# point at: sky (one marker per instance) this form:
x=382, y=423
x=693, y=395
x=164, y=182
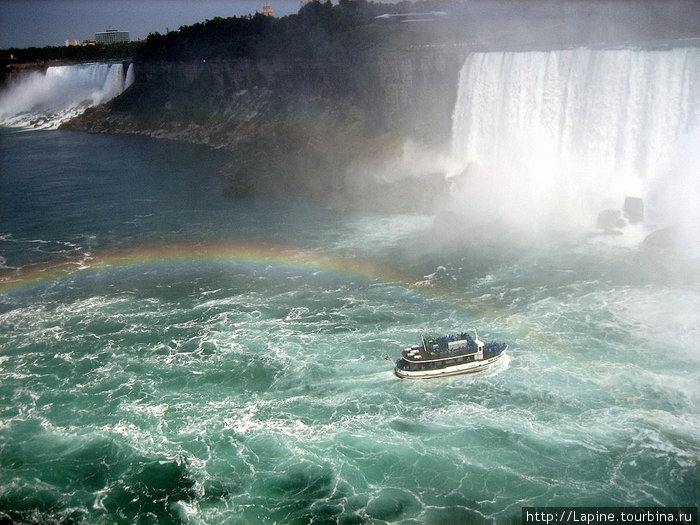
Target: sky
x=28, y=23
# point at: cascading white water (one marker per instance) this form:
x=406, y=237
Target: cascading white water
x=129, y=79
x=552, y=138
x=43, y=100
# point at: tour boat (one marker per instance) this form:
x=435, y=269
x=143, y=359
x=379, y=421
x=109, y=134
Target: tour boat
x=448, y=355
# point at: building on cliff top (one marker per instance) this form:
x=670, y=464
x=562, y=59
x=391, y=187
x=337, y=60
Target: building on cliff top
x=111, y=36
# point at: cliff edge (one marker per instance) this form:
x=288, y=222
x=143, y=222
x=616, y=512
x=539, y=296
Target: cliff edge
x=309, y=128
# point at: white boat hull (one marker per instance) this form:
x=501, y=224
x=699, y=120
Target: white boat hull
x=464, y=368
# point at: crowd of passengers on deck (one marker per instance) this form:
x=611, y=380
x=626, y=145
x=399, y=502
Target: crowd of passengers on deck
x=444, y=341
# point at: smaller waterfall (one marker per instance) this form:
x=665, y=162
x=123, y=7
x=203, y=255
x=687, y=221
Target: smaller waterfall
x=129, y=80
x=44, y=100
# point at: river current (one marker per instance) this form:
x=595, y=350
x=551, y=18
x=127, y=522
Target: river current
x=168, y=355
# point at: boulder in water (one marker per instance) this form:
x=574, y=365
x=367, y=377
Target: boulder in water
x=610, y=220
x=663, y=239
x=633, y=209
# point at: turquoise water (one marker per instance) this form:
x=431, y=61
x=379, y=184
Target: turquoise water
x=238, y=382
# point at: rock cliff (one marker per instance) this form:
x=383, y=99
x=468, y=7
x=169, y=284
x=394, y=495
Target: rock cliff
x=411, y=91
x=313, y=128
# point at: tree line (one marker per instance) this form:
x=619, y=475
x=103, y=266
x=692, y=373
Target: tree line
x=319, y=28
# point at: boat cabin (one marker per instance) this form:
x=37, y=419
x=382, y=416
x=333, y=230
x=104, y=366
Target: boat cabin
x=442, y=352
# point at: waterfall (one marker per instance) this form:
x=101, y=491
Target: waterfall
x=43, y=100
x=552, y=138
x=129, y=80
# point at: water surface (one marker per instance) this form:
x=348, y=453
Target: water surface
x=171, y=356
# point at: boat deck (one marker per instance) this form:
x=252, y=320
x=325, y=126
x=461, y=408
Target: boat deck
x=417, y=353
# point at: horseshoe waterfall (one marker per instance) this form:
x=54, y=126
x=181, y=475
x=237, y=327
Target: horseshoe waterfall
x=552, y=138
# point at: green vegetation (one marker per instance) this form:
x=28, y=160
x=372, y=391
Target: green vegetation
x=318, y=30
x=322, y=29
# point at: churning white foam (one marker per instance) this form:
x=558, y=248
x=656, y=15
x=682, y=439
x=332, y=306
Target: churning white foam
x=44, y=100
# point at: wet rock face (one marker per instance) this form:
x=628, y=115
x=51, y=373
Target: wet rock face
x=409, y=92
x=304, y=124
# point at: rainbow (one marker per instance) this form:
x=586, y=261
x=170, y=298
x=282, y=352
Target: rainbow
x=254, y=254
x=258, y=254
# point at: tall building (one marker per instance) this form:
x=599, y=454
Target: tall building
x=267, y=9
x=111, y=36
